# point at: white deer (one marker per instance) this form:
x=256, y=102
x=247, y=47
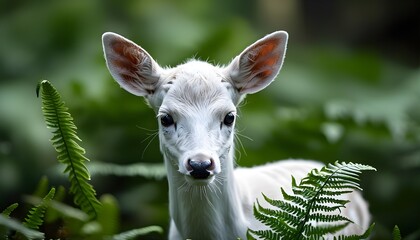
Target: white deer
x=196, y=106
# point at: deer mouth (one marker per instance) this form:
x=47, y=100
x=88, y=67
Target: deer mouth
x=200, y=174
x=199, y=181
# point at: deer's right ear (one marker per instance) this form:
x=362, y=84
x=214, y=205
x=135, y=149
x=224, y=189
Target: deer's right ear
x=130, y=65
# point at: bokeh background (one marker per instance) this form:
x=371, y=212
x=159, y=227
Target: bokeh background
x=349, y=90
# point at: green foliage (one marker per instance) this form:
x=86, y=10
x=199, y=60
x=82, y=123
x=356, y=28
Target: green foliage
x=137, y=232
x=108, y=217
x=105, y=212
x=60, y=210
x=396, y=234
x=33, y=221
x=152, y=170
x=311, y=211
x=42, y=188
x=69, y=152
x=6, y=212
x=35, y=217
x=19, y=227
x=53, y=213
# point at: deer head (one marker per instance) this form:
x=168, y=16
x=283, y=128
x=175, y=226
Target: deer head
x=195, y=102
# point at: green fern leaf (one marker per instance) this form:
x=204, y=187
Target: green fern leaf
x=60, y=209
x=265, y=234
x=69, y=152
x=319, y=217
x=10, y=223
x=131, y=234
x=365, y=235
x=35, y=217
x=294, y=209
x=6, y=212
x=42, y=188
x=311, y=211
x=274, y=219
x=321, y=230
x=396, y=234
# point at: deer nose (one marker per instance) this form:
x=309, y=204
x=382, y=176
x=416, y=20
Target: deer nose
x=200, y=166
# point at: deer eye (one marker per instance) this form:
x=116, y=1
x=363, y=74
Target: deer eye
x=166, y=120
x=229, y=119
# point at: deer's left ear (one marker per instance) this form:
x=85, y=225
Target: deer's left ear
x=257, y=66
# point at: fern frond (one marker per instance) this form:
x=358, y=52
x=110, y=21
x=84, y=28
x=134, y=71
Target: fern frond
x=365, y=235
x=265, y=234
x=69, y=152
x=53, y=213
x=131, y=234
x=42, y=188
x=35, y=217
x=18, y=227
x=321, y=217
x=316, y=232
x=108, y=218
x=396, y=234
x=273, y=218
x=311, y=211
x=61, y=209
x=6, y=212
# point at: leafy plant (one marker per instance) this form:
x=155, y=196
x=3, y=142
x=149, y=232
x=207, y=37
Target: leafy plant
x=10, y=223
x=36, y=214
x=396, y=234
x=65, y=140
x=33, y=221
x=311, y=211
x=131, y=234
x=6, y=212
x=69, y=152
x=149, y=170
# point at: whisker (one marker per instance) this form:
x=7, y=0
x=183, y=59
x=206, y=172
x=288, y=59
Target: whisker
x=191, y=189
x=151, y=137
x=146, y=129
x=202, y=190
x=244, y=136
x=182, y=187
x=208, y=199
x=238, y=151
x=238, y=136
x=216, y=188
x=218, y=183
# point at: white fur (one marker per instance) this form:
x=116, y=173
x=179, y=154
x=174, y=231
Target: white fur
x=198, y=96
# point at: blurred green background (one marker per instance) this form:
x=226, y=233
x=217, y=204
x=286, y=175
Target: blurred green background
x=349, y=90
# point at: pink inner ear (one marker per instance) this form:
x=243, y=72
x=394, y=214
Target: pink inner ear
x=126, y=59
x=126, y=51
x=264, y=74
x=265, y=48
x=265, y=58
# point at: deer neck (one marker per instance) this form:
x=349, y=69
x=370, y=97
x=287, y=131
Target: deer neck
x=210, y=211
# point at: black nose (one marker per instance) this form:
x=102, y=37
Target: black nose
x=200, y=168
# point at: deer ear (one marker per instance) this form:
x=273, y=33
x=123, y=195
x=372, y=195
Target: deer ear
x=257, y=66
x=130, y=65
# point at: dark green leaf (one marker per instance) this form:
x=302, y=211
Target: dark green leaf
x=69, y=152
